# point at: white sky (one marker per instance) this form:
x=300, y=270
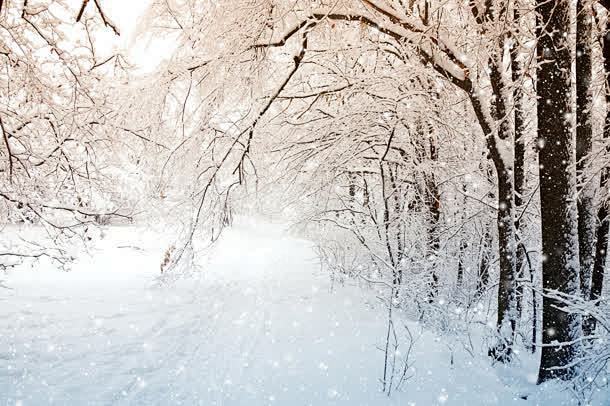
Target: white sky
x=144, y=51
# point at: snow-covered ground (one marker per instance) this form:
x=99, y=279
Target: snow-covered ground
x=259, y=325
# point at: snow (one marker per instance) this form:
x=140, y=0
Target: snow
x=259, y=325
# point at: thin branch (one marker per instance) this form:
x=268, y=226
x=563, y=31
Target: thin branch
x=105, y=19
x=8, y=150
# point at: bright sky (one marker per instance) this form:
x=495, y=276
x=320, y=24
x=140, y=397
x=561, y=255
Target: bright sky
x=143, y=51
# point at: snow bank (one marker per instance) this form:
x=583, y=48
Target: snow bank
x=258, y=326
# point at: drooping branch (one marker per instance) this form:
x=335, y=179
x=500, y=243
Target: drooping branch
x=412, y=25
x=105, y=19
x=439, y=53
x=74, y=210
x=298, y=58
x=107, y=22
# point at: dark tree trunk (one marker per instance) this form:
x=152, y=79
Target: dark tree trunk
x=460, y=270
x=584, y=143
x=399, y=235
x=462, y=249
x=517, y=76
x=597, y=279
x=507, y=246
x=557, y=158
x=486, y=242
x=433, y=203
x=498, y=145
x=499, y=132
x=601, y=248
x=484, y=262
x=534, y=314
x=506, y=321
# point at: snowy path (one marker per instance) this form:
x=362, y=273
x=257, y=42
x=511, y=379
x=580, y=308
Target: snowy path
x=259, y=326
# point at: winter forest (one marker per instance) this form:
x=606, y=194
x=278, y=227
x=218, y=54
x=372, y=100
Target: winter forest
x=304, y=202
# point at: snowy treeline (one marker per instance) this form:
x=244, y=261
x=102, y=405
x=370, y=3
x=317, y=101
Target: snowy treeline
x=443, y=152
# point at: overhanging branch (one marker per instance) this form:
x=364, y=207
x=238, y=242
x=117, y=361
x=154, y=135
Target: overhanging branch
x=431, y=49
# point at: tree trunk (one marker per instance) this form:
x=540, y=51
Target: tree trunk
x=463, y=247
x=557, y=161
x=460, y=270
x=500, y=147
x=486, y=242
x=506, y=321
x=483, y=273
x=433, y=203
x=517, y=76
x=601, y=247
x=584, y=143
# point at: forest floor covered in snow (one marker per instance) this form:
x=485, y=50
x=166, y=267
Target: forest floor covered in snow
x=258, y=325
